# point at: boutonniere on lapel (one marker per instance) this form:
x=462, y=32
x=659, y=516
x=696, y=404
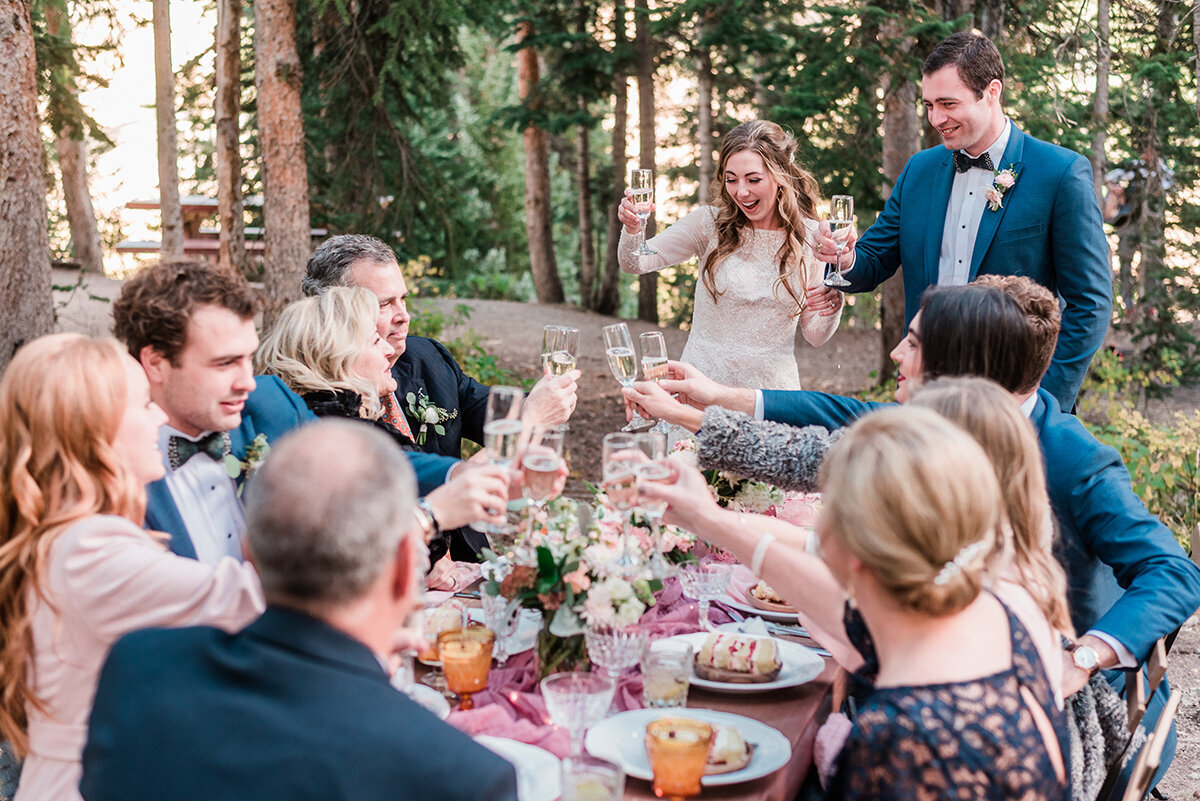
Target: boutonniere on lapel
x=1003, y=182
x=427, y=414
x=241, y=469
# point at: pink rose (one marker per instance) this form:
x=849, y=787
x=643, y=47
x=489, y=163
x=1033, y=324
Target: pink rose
x=578, y=579
x=1006, y=179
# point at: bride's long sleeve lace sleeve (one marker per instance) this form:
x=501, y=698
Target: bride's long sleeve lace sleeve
x=692, y=236
x=817, y=329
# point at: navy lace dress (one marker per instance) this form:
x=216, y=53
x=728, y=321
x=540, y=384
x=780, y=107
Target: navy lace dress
x=964, y=741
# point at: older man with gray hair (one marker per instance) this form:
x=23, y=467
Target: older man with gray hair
x=297, y=705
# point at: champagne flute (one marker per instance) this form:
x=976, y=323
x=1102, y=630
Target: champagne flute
x=841, y=217
x=654, y=363
x=502, y=434
x=622, y=360
x=653, y=444
x=619, y=458
x=641, y=184
x=563, y=353
x=549, y=339
x=540, y=464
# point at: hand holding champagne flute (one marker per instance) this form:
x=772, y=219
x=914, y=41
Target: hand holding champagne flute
x=540, y=465
x=502, y=432
x=620, y=457
x=841, y=217
x=559, y=349
x=622, y=360
x=641, y=187
x=654, y=363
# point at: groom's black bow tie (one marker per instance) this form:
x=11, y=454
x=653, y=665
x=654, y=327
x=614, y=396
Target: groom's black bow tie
x=180, y=449
x=963, y=162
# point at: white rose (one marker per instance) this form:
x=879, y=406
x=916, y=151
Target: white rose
x=431, y=415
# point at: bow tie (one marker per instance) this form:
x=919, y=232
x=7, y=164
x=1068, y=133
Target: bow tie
x=963, y=162
x=180, y=449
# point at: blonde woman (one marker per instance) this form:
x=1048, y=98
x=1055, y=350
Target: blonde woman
x=78, y=443
x=757, y=270
x=958, y=704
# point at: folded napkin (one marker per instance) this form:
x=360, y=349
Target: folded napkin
x=501, y=719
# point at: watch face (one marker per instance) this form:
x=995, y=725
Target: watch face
x=1085, y=657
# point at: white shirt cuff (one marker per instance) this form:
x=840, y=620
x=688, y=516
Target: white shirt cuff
x=1125, y=658
x=758, y=405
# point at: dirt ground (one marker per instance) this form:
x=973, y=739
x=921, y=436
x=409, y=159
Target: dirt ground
x=512, y=332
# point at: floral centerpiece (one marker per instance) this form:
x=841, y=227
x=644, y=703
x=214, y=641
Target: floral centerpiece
x=563, y=567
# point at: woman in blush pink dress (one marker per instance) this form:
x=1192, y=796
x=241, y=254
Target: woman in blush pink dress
x=78, y=443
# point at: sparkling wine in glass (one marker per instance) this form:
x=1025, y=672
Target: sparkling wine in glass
x=641, y=185
x=540, y=464
x=841, y=217
x=502, y=434
x=654, y=363
x=653, y=470
x=562, y=356
x=622, y=360
x=549, y=339
x=620, y=456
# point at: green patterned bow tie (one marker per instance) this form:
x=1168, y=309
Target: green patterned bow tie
x=180, y=449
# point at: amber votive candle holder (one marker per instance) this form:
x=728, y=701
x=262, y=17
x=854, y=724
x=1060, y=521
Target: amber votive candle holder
x=678, y=751
x=466, y=658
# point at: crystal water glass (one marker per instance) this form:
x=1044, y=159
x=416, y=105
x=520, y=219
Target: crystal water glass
x=503, y=617
x=576, y=701
x=589, y=778
x=705, y=582
x=615, y=648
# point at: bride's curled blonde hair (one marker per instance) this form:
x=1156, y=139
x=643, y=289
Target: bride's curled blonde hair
x=62, y=399
x=914, y=498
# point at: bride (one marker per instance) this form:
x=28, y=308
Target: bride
x=760, y=279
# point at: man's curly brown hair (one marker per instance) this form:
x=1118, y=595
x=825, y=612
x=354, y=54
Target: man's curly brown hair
x=158, y=301
x=1043, y=313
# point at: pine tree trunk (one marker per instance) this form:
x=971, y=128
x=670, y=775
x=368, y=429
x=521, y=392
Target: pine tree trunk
x=1196, y=53
x=1099, y=154
x=285, y=171
x=587, y=246
x=609, y=299
x=231, y=252
x=168, y=146
x=648, y=283
x=901, y=141
x=71, y=147
x=542, y=261
x=704, y=117
x=25, y=303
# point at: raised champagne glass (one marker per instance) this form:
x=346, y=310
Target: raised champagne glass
x=841, y=217
x=539, y=467
x=620, y=456
x=641, y=186
x=654, y=363
x=622, y=360
x=502, y=434
x=653, y=470
x=563, y=352
x=549, y=339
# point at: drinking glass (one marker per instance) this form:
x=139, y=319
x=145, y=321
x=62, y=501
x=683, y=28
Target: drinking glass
x=705, y=583
x=841, y=216
x=620, y=456
x=433, y=623
x=653, y=445
x=589, y=778
x=503, y=617
x=641, y=182
x=502, y=435
x=549, y=339
x=614, y=649
x=540, y=465
x=466, y=658
x=678, y=751
x=564, y=349
x=622, y=360
x=654, y=363
x=666, y=670
x=576, y=701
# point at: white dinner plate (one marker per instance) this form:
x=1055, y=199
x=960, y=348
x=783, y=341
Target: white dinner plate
x=429, y=698
x=745, y=607
x=800, y=666
x=621, y=739
x=538, y=770
x=529, y=625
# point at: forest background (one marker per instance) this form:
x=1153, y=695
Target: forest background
x=487, y=141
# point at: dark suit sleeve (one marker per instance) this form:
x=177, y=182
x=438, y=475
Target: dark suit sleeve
x=472, y=397
x=877, y=254
x=1083, y=274
x=1162, y=586
x=804, y=408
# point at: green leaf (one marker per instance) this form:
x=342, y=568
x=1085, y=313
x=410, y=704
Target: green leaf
x=411, y=398
x=233, y=465
x=441, y=430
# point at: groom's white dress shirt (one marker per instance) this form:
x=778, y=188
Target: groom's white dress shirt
x=964, y=212
x=207, y=501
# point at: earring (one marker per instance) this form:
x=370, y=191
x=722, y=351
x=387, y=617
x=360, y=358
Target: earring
x=850, y=602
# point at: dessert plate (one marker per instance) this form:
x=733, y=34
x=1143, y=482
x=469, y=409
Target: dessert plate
x=538, y=771
x=800, y=666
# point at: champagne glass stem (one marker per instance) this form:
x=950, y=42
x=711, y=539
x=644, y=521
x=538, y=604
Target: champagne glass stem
x=705, y=623
x=576, y=742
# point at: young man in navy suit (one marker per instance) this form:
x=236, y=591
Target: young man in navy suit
x=423, y=366
x=297, y=705
x=992, y=200
x=191, y=326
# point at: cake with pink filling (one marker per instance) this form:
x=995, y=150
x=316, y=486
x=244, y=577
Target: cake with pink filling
x=738, y=658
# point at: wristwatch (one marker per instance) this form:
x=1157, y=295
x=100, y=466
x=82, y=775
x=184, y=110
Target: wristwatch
x=426, y=520
x=1084, y=657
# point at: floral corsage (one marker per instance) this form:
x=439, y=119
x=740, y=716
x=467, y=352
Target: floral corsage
x=241, y=469
x=427, y=414
x=1003, y=182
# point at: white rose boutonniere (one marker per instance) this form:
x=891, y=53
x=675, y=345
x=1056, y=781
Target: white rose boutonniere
x=421, y=410
x=241, y=469
x=1004, y=181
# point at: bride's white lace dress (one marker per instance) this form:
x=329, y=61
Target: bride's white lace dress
x=747, y=337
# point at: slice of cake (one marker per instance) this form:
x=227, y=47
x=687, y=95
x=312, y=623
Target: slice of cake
x=738, y=658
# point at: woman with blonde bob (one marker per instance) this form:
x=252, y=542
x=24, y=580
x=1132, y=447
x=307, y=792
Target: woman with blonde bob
x=756, y=263
x=959, y=706
x=78, y=444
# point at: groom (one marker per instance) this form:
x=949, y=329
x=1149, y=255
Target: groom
x=993, y=200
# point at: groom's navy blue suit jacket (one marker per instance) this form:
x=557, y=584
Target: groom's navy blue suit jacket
x=1127, y=577
x=272, y=409
x=1049, y=230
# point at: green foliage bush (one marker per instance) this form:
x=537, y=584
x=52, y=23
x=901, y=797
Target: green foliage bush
x=467, y=348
